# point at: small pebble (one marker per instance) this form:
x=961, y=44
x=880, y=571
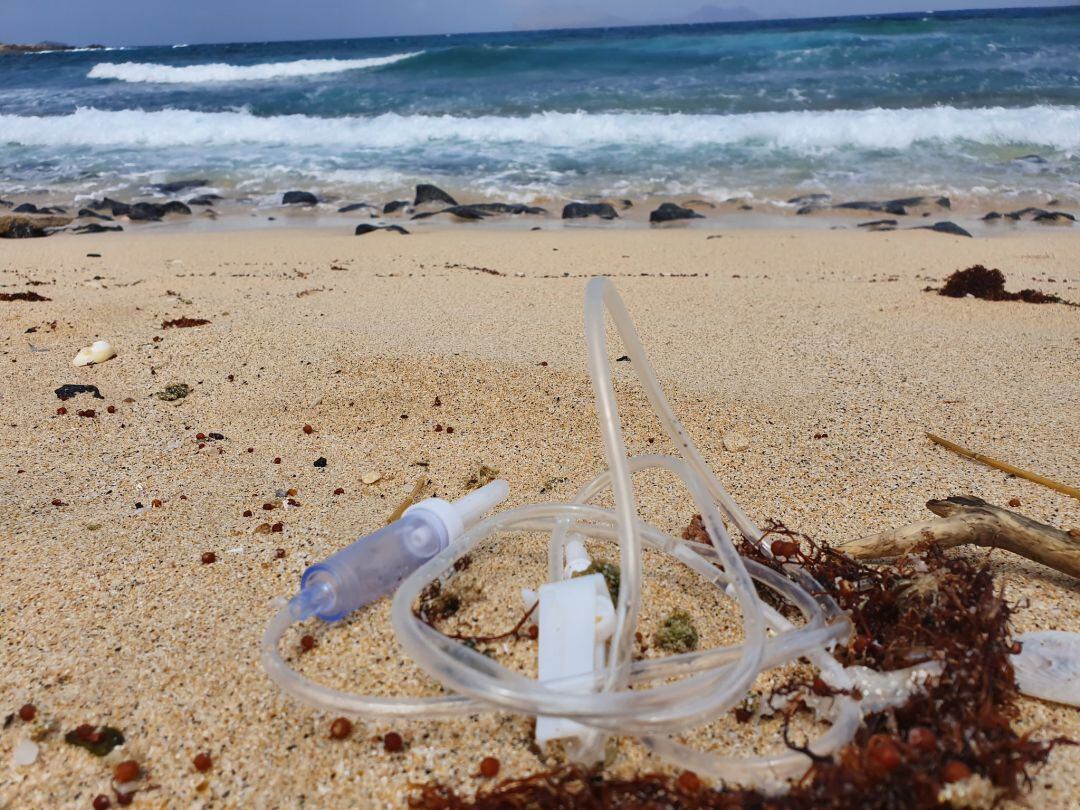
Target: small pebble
x=202, y=762
x=126, y=771
x=279, y=554
x=28, y=712
x=307, y=643
x=688, y=782
x=489, y=767
x=340, y=728
x=1014, y=502
x=392, y=742
x=320, y=462
x=735, y=442
x=370, y=478
x=25, y=753
x=98, y=352
x=955, y=771
x=308, y=429
x=339, y=491
x=101, y=802
x=209, y=557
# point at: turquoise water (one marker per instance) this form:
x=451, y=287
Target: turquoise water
x=941, y=103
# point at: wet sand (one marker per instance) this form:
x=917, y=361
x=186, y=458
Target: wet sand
x=107, y=614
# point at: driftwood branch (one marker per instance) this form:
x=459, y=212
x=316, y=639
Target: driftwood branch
x=973, y=521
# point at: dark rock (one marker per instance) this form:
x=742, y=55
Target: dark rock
x=1030, y=159
x=146, y=212
x=507, y=208
x=114, y=207
x=810, y=199
x=395, y=205
x=425, y=193
x=26, y=208
x=86, y=213
x=944, y=227
x=669, y=212
x=579, y=210
x=466, y=212
x=367, y=227
x=699, y=203
x=626, y=204
x=66, y=392
x=175, y=207
x=96, y=227
x=879, y=225
x=991, y=216
x=1053, y=217
x=204, y=199
x=179, y=185
x=353, y=207
x=807, y=209
x=6, y=203
x=895, y=207
x=299, y=198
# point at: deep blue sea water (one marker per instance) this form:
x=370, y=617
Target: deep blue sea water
x=873, y=106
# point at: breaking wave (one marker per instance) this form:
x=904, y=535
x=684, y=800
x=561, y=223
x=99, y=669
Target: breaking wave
x=223, y=72
x=801, y=132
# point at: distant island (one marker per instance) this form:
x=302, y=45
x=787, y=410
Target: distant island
x=44, y=46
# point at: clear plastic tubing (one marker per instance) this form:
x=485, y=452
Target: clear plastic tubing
x=670, y=695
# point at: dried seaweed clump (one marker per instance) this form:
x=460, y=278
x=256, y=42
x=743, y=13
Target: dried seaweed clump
x=989, y=284
x=611, y=575
x=950, y=745
x=677, y=634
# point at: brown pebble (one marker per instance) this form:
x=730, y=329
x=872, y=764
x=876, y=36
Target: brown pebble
x=209, y=557
x=268, y=506
x=438, y=428
x=339, y=491
x=58, y=502
x=955, y=771
x=248, y=513
x=449, y=429
x=279, y=554
x=125, y=798
x=341, y=728
x=27, y=712
x=126, y=771
x=277, y=527
x=60, y=412
x=688, y=782
x=307, y=643
x=101, y=802
x=489, y=767
x=1014, y=502
x=277, y=460
x=156, y=503
x=392, y=742
x=262, y=528
x=111, y=409
x=308, y=429
x=202, y=762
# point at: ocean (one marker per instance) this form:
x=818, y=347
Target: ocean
x=973, y=105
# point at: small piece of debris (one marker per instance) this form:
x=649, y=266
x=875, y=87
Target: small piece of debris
x=735, y=442
x=97, y=352
x=184, y=323
x=989, y=285
x=23, y=296
x=677, y=634
x=98, y=740
x=371, y=477
x=485, y=475
x=320, y=462
x=25, y=753
x=173, y=392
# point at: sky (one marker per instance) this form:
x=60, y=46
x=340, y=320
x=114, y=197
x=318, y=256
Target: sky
x=138, y=22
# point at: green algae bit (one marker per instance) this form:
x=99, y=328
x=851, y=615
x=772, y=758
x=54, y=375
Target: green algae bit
x=677, y=634
x=171, y=393
x=611, y=575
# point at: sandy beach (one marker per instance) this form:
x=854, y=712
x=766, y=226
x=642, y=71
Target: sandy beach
x=820, y=347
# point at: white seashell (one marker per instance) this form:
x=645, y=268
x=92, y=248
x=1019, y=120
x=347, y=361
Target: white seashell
x=371, y=477
x=735, y=442
x=1048, y=666
x=25, y=753
x=99, y=352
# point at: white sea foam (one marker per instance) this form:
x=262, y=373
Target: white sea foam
x=223, y=72
x=803, y=132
